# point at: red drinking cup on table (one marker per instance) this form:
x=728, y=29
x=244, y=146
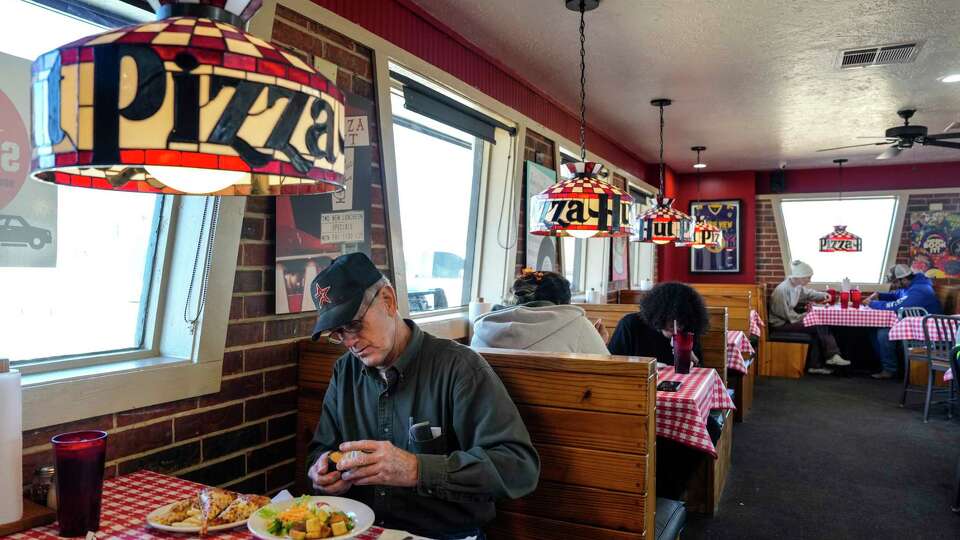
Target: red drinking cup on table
x=855, y=298
x=844, y=299
x=79, y=456
x=682, y=351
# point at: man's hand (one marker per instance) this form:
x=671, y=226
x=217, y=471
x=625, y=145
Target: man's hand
x=379, y=463
x=873, y=296
x=602, y=330
x=329, y=483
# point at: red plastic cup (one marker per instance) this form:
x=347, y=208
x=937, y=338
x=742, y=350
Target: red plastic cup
x=855, y=298
x=833, y=296
x=682, y=351
x=79, y=456
x=844, y=299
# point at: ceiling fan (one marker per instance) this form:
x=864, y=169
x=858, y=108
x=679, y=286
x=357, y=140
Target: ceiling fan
x=901, y=137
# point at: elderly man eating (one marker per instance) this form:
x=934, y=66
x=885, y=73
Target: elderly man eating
x=430, y=438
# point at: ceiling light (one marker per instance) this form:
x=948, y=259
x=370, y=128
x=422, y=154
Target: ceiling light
x=706, y=234
x=583, y=205
x=955, y=77
x=175, y=106
x=699, y=165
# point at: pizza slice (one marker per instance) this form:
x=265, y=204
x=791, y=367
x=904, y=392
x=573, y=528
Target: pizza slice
x=178, y=512
x=212, y=502
x=240, y=509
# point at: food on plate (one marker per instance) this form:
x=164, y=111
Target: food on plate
x=212, y=502
x=209, y=508
x=240, y=509
x=181, y=511
x=307, y=520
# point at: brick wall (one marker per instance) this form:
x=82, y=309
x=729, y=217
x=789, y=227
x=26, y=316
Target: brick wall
x=242, y=437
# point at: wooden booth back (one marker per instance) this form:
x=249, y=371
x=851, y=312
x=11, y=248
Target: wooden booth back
x=609, y=313
x=714, y=342
x=592, y=421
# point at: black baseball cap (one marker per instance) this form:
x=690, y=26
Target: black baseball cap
x=340, y=290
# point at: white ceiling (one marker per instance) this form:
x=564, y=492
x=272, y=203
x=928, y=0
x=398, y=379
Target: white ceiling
x=753, y=80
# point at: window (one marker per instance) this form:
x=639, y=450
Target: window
x=642, y=254
x=438, y=181
x=872, y=218
x=573, y=249
x=93, y=300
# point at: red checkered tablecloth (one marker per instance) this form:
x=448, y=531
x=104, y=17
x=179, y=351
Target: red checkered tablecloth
x=738, y=348
x=912, y=328
x=835, y=316
x=755, y=323
x=128, y=499
x=682, y=415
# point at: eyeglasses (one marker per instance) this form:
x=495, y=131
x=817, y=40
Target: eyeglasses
x=352, y=328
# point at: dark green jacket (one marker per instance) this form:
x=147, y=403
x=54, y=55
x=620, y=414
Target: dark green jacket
x=483, y=454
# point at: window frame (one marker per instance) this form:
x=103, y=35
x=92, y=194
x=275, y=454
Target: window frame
x=483, y=153
x=901, y=199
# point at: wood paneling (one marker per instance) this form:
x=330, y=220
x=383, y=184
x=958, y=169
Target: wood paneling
x=742, y=385
x=785, y=360
x=592, y=468
x=609, y=313
x=512, y=526
x=574, y=390
x=714, y=342
x=597, y=507
x=706, y=486
x=586, y=429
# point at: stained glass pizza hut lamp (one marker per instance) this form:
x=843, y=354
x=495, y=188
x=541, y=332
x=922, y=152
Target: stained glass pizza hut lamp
x=583, y=206
x=188, y=104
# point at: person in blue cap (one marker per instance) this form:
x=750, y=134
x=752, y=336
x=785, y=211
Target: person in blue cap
x=425, y=433
x=911, y=289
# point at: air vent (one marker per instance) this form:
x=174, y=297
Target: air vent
x=881, y=55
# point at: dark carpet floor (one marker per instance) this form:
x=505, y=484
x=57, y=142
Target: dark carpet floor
x=836, y=458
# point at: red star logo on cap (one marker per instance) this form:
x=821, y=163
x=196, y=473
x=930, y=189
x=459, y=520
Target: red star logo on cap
x=322, y=296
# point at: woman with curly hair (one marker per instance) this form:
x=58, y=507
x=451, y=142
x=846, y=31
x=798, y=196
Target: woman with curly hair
x=542, y=319
x=666, y=307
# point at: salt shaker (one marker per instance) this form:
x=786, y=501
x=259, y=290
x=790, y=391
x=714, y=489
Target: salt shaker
x=43, y=490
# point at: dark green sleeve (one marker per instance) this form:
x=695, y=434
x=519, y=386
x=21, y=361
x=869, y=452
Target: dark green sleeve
x=327, y=435
x=499, y=460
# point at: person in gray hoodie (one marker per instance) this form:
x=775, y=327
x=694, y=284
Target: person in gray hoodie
x=541, y=320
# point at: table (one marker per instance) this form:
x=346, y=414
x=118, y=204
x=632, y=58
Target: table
x=755, y=323
x=738, y=347
x=682, y=415
x=835, y=316
x=911, y=328
x=128, y=499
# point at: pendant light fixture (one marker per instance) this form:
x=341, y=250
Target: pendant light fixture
x=583, y=205
x=662, y=223
x=187, y=104
x=840, y=240
x=705, y=233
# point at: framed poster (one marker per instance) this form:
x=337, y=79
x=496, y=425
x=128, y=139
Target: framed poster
x=542, y=252
x=935, y=243
x=619, y=259
x=726, y=216
x=313, y=230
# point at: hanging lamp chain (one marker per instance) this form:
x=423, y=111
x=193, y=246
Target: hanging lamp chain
x=661, y=151
x=583, y=82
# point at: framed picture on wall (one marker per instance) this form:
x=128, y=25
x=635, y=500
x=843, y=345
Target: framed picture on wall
x=542, y=252
x=726, y=216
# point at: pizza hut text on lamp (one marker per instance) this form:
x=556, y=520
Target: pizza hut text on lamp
x=583, y=205
x=188, y=104
x=663, y=223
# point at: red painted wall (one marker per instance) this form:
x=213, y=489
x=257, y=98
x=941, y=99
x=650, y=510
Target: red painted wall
x=408, y=26
x=909, y=176
x=673, y=263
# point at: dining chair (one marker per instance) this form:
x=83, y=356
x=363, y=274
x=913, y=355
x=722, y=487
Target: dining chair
x=913, y=349
x=940, y=334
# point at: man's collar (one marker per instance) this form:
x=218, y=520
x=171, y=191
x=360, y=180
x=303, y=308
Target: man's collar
x=405, y=361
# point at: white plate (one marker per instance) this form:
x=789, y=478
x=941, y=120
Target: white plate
x=362, y=516
x=189, y=529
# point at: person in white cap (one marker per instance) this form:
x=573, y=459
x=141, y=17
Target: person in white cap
x=911, y=289
x=785, y=317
